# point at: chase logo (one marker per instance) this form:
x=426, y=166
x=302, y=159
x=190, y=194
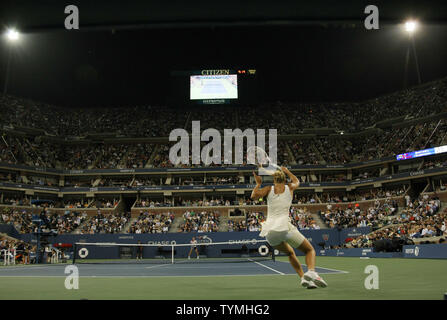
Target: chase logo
x=416, y=251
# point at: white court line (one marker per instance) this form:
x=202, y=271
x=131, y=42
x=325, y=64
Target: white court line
x=20, y=268
x=339, y=271
x=267, y=267
x=167, y=276
x=157, y=266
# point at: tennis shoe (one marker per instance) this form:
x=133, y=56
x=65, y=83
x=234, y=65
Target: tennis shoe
x=313, y=276
x=308, y=284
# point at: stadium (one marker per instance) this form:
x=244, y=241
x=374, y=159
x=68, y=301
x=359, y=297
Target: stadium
x=88, y=177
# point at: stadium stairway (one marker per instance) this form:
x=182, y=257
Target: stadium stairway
x=317, y=153
x=175, y=225
x=223, y=223
x=290, y=157
x=96, y=182
x=151, y=158
x=318, y=221
x=78, y=229
x=129, y=223
x=342, y=150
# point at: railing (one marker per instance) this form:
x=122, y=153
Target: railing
x=56, y=256
x=9, y=256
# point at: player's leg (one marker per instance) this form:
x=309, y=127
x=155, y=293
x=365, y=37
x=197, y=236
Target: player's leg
x=189, y=254
x=309, y=253
x=297, y=240
x=276, y=240
x=288, y=250
x=311, y=274
x=197, y=252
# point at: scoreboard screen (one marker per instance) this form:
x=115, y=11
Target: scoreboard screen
x=213, y=87
x=421, y=153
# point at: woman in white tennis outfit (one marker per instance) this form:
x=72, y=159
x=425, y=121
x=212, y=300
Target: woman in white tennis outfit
x=280, y=232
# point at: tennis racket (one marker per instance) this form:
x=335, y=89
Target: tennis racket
x=257, y=156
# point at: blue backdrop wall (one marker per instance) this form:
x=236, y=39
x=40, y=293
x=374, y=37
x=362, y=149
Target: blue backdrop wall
x=328, y=236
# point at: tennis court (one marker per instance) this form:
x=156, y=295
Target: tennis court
x=135, y=269
x=226, y=280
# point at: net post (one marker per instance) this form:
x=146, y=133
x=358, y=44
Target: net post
x=74, y=253
x=6, y=257
x=172, y=253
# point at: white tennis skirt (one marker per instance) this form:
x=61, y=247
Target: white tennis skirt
x=288, y=233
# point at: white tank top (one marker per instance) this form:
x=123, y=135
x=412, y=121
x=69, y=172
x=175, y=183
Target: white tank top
x=278, y=206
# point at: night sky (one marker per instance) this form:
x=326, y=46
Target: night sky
x=294, y=63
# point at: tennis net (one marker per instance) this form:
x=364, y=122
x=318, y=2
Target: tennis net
x=236, y=251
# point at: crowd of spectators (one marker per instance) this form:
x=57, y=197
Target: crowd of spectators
x=15, y=201
x=362, y=195
x=106, y=223
x=59, y=222
x=146, y=181
x=251, y=222
x=185, y=202
x=420, y=220
x=299, y=217
x=200, y=221
x=62, y=223
x=151, y=203
x=290, y=118
x=152, y=223
x=20, y=219
x=312, y=151
x=353, y=216
x=20, y=251
x=104, y=203
x=75, y=203
x=302, y=219
x=115, y=182
x=435, y=163
x=299, y=198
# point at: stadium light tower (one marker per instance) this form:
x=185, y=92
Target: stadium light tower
x=12, y=37
x=411, y=27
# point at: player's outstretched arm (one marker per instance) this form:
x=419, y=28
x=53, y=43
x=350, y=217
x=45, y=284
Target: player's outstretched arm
x=295, y=182
x=259, y=192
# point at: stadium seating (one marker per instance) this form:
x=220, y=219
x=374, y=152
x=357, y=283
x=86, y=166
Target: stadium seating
x=329, y=134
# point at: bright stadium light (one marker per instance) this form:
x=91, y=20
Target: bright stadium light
x=411, y=26
x=12, y=35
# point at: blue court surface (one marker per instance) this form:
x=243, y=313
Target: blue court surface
x=135, y=269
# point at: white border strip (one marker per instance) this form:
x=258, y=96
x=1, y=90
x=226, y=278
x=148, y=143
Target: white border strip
x=335, y=270
x=281, y=273
x=234, y=242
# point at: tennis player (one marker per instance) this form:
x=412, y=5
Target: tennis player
x=279, y=231
x=193, y=247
